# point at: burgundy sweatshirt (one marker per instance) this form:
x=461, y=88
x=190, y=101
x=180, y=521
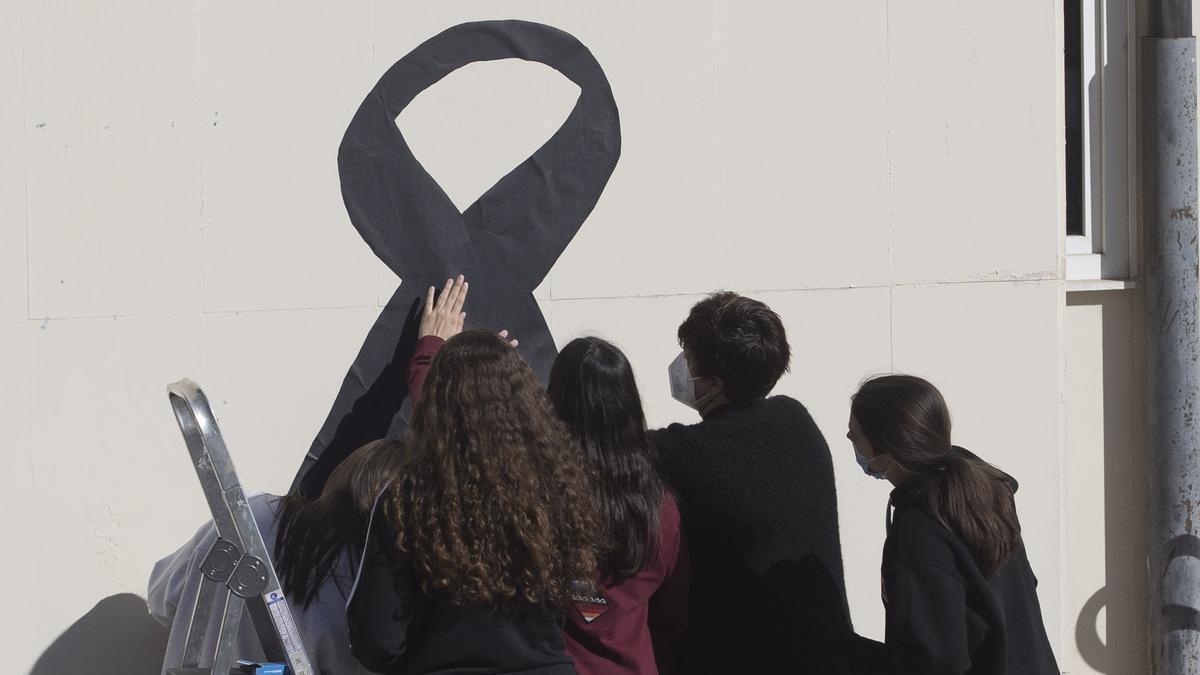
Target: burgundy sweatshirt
x=631, y=627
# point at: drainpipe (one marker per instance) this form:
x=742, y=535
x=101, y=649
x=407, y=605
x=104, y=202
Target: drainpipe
x=1172, y=314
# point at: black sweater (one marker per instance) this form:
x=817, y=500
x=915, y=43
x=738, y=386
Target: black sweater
x=756, y=490
x=944, y=616
x=397, y=628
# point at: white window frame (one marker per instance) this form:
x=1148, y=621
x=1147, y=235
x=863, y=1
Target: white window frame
x=1106, y=249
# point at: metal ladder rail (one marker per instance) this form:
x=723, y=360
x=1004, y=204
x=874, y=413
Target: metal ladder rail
x=238, y=565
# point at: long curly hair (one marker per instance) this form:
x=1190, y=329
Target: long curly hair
x=494, y=502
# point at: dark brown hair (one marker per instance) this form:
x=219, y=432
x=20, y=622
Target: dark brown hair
x=594, y=391
x=494, y=502
x=906, y=418
x=313, y=533
x=738, y=339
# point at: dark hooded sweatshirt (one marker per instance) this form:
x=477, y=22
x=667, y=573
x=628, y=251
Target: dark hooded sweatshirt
x=943, y=615
x=396, y=627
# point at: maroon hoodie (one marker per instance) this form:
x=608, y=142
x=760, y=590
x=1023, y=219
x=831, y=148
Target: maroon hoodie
x=631, y=627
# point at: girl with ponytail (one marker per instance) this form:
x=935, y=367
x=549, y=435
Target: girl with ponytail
x=958, y=590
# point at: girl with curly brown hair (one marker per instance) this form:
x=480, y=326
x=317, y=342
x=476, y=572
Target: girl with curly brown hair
x=476, y=546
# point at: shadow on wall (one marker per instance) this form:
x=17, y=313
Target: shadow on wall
x=1110, y=631
x=117, y=637
x=1087, y=636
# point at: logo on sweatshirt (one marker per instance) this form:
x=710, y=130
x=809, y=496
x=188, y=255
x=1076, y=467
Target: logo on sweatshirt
x=590, y=607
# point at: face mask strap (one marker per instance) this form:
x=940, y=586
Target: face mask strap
x=702, y=401
x=865, y=465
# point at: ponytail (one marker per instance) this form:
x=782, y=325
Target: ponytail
x=975, y=500
x=906, y=418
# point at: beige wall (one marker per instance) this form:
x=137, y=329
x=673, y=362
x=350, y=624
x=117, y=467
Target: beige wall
x=1104, y=485
x=882, y=173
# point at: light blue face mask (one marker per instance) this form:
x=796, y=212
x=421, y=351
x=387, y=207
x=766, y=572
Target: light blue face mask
x=865, y=465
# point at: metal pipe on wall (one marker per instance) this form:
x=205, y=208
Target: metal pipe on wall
x=1170, y=19
x=1172, y=311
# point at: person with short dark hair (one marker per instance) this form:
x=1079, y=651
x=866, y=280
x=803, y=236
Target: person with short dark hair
x=959, y=592
x=756, y=486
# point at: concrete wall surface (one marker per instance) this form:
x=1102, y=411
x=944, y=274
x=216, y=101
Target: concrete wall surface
x=883, y=174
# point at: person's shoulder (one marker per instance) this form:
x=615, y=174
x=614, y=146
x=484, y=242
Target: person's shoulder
x=670, y=437
x=264, y=505
x=788, y=415
x=667, y=445
x=917, y=538
x=913, y=521
x=256, y=498
x=668, y=510
x=675, y=429
x=782, y=403
x=266, y=509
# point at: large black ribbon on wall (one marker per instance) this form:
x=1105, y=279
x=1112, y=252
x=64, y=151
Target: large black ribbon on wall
x=505, y=243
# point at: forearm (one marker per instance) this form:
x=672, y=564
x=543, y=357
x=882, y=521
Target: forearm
x=418, y=365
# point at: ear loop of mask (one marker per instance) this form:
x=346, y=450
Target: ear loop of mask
x=865, y=465
x=702, y=401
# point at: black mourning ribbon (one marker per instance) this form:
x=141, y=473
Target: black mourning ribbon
x=505, y=243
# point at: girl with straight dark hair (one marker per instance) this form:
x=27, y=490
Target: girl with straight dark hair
x=316, y=536
x=959, y=592
x=630, y=624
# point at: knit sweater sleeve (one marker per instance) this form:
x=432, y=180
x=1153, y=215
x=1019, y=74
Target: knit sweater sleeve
x=667, y=450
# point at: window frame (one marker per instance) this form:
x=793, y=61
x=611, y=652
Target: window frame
x=1106, y=249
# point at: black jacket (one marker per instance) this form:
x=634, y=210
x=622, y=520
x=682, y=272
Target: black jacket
x=397, y=628
x=759, y=506
x=943, y=615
